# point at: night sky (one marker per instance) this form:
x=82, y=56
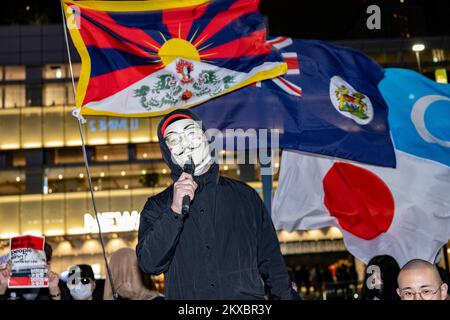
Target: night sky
x=344, y=19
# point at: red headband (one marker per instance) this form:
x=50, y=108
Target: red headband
x=171, y=119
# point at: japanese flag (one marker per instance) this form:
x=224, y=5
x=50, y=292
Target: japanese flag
x=402, y=212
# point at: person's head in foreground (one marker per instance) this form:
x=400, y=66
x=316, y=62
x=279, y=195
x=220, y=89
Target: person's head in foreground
x=81, y=282
x=130, y=282
x=420, y=280
x=380, y=281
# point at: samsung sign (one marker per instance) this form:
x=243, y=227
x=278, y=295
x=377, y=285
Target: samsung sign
x=114, y=221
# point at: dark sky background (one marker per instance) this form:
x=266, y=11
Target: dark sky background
x=346, y=19
x=316, y=19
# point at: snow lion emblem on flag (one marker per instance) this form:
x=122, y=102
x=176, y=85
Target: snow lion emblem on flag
x=168, y=90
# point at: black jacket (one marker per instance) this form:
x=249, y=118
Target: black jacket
x=226, y=248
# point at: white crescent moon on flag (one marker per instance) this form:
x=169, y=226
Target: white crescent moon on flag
x=418, y=118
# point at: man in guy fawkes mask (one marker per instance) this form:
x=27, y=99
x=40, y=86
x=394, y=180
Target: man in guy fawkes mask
x=226, y=246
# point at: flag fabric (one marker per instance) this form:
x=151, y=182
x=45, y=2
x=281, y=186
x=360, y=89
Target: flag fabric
x=402, y=212
x=327, y=103
x=146, y=58
x=427, y=106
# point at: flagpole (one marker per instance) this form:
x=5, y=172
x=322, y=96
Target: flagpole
x=267, y=181
x=86, y=161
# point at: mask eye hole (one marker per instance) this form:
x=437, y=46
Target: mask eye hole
x=173, y=140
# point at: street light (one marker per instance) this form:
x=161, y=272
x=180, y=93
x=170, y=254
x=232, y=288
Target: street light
x=418, y=48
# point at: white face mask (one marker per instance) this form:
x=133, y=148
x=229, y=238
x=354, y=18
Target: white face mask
x=185, y=138
x=81, y=291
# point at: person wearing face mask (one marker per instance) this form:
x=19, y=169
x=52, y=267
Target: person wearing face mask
x=81, y=282
x=130, y=282
x=380, y=282
x=226, y=246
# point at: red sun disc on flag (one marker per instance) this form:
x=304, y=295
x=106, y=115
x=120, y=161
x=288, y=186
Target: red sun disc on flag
x=360, y=200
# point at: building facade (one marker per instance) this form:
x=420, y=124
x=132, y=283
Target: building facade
x=43, y=185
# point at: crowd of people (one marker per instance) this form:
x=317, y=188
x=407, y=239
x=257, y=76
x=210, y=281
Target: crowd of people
x=81, y=284
x=338, y=272
x=337, y=280
x=213, y=238
x=384, y=280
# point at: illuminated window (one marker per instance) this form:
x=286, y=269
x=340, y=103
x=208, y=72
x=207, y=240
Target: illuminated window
x=9, y=215
x=14, y=96
x=70, y=94
x=76, y=68
x=12, y=182
x=18, y=159
x=140, y=130
x=68, y=155
x=61, y=71
x=10, y=123
x=15, y=73
x=111, y=153
x=31, y=214
x=55, y=94
x=54, y=71
x=53, y=127
x=438, y=55
x=53, y=214
x=147, y=151
x=31, y=128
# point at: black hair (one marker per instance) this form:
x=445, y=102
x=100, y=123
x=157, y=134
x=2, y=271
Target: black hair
x=444, y=277
x=48, y=252
x=389, y=270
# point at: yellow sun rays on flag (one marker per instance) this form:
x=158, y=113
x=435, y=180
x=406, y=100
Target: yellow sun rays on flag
x=179, y=48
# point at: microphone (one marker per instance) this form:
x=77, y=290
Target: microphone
x=189, y=167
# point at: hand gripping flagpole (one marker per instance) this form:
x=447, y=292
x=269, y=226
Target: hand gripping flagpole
x=76, y=113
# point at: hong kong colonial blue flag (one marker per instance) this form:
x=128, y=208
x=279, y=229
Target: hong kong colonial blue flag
x=327, y=103
x=146, y=58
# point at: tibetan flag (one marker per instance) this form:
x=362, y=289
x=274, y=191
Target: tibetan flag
x=146, y=58
x=327, y=103
x=402, y=212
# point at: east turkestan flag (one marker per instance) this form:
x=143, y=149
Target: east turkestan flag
x=402, y=212
x=146, y=58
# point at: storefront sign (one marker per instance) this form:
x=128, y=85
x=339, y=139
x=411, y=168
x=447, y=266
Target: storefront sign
x=115, y=221
x=113, y=125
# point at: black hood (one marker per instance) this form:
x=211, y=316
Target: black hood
x=176, y=170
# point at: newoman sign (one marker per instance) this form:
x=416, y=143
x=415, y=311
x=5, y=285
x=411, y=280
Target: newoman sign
x=114, y=221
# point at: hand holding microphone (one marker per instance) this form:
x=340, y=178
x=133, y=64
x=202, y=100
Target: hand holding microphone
x=184, y=190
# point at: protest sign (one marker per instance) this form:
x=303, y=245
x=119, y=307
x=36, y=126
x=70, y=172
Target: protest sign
x=29, y=266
